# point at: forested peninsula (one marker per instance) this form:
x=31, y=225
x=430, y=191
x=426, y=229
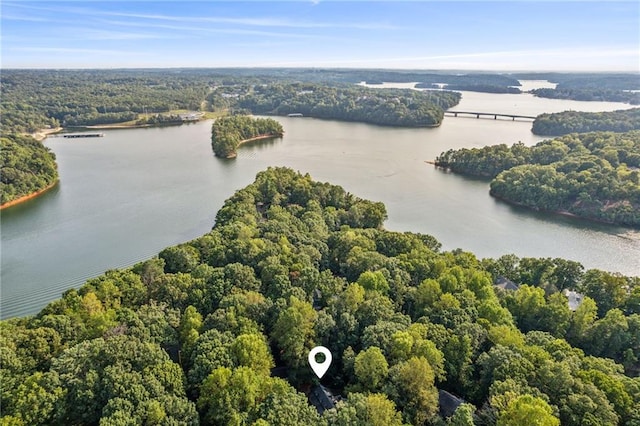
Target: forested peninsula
x=217, y=330
x=562, y=123
x=594, y=175
x=28, y=168
x=228, y=133
x=388, y=107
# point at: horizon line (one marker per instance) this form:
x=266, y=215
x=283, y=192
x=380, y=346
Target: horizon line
x=302, y=67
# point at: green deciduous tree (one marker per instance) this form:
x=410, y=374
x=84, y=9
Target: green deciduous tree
x=528, y=410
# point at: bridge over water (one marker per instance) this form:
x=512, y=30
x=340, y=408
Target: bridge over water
x=488, y=115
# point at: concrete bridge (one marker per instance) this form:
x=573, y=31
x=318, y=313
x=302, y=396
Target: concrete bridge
x=488, y=115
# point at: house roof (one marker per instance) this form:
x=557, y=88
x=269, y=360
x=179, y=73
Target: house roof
x=505, y=284
x=448, y=403
x=322, y=398
x=573, y=298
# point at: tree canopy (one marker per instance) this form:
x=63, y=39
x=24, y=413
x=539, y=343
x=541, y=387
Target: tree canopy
x=562, y=123
x=217, y=330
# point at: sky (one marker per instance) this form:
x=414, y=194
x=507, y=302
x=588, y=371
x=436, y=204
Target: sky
x=434, y=35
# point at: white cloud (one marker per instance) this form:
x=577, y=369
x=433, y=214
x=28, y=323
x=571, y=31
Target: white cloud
x=77, y=51
x=244, y=21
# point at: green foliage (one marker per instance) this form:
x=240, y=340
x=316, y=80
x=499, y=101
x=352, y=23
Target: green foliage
x=227, y=133
x=195, y=335
x=365, y=410
x=371, y=368
x=463, y=416
x=27, y=167
x=242, y=396
x=591, y=175
x=527, y=410
x=562, y=123
x=412, y=388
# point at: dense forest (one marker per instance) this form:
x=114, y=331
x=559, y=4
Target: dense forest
x=227, y=133
x=27, y=167
x=217, y=330
x=562, y=123
x=389, y=107
x=592, y=175
x=37, y=99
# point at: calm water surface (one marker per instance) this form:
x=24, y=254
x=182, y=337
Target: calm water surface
x=125, y=197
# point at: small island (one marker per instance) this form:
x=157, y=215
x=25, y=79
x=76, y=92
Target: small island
x=228, y=133
x=594, y=176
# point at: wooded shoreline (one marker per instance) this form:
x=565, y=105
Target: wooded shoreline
x=564, y=213
x=28, y=197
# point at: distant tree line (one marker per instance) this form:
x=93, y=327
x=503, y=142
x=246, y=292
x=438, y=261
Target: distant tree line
x=562, y=123
x=227, y=133
x=602, y=95
x=486, y=88
x=602, y=81
x=592, y=175
x=36, y=99
x=27, y=167
x=192, y=336
x=159, y=119
x=609, y=87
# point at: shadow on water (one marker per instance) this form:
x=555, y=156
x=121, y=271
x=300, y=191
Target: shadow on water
x=260, y=144
x=547, y=216
x=31, y=206
x=567, y=220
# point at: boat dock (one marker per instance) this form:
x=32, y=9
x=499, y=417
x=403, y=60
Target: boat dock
x=83, y=135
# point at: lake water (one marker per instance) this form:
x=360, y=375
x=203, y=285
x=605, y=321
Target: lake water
x=126, y=196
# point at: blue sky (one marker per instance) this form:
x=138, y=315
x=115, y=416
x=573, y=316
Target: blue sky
x=504, y=35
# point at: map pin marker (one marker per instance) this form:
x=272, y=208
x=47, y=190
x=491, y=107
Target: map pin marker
x=319, y=367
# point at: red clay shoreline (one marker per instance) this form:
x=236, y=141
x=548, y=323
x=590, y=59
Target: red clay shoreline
x=27, y=197
x=564, y=213
x=234, y=154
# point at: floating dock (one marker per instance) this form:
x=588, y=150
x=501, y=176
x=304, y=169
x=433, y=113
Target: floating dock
x=83, y=135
